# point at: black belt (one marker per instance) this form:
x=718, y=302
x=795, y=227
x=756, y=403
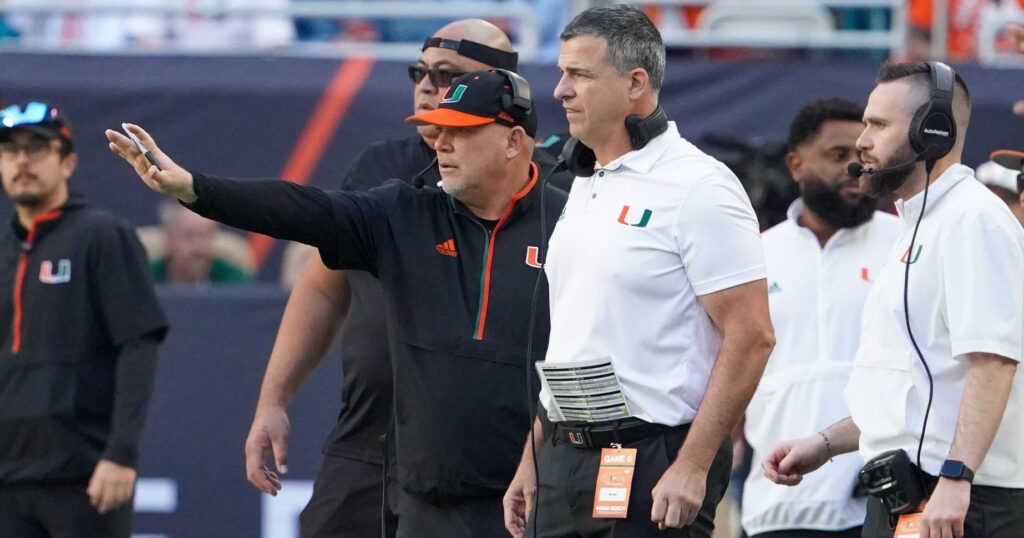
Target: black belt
x=604, y=434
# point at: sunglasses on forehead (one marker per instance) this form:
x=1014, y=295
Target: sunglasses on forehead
x=439, y=77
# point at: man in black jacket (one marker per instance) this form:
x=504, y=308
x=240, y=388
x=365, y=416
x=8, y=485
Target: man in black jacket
x=458, y=267
x=346, y=500
x=80, y=325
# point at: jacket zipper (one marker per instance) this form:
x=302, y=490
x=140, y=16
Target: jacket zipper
x=485, y=272
x=25, y=249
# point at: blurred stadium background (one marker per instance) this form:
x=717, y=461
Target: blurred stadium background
x=297, y=88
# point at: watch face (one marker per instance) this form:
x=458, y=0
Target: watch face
x=952, y=469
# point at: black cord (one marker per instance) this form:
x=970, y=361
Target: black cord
x=929, y=164
x=384, y=489
x=530, y=400
x=417, y=180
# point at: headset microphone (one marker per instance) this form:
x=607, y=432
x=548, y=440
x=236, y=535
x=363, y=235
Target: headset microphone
x=857, y=169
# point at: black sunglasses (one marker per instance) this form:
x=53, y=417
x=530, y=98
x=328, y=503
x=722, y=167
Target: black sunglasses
x=439, y=77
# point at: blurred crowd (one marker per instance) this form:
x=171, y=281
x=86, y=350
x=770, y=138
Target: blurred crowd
x=976, y=29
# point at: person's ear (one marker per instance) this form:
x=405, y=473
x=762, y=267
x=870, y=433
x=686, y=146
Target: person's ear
x=639, y=83
x=517, y=142
x=794, y=162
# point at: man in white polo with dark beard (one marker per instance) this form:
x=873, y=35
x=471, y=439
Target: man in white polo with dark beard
x=935, y=397
x=821, y=261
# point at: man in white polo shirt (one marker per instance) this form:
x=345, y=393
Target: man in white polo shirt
x=656, y=272
x=821, y=263
x=966, y=316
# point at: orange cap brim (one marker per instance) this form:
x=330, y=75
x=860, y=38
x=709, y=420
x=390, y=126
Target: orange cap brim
x=1008, y=158
x=446, y=117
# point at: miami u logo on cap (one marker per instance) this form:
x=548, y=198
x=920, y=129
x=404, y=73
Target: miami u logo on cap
x=456, y=95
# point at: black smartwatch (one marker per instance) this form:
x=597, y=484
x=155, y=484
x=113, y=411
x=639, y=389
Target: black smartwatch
x=956, y=470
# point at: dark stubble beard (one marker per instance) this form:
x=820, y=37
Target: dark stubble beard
x=825, y=201
x=898, y=168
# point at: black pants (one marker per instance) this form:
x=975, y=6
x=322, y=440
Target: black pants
x=993, y=513
x=59, y=511
x=807, y=533
x=346, y=501
x=471, y=517
x=565, y=492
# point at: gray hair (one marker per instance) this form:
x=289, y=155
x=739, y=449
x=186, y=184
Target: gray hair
x=632, y=39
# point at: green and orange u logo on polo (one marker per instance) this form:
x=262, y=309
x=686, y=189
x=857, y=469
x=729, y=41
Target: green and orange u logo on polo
x=626, y=214
x=917, y=254
x=456, y=95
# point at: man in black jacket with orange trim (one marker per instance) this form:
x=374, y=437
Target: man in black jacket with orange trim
x=458, y=268
x=79, y=326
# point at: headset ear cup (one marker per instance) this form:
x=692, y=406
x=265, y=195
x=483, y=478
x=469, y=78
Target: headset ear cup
x=578, y=158
x=916, y=124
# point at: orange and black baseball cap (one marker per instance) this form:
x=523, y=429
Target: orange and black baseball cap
x=482, y=97
x=1008, y=158
x=1014, y=160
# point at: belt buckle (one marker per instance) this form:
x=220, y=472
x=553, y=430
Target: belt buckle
x=580, y=438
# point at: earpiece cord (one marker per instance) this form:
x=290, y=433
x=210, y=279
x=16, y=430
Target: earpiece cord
x=929, y=164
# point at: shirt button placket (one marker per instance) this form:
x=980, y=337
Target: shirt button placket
x=592, y=203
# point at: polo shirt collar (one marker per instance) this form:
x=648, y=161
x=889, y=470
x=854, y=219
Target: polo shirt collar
x=643, y=159
x=909, y=210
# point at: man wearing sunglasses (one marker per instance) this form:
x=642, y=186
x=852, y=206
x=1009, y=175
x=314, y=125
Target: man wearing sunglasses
x=79, y=326
x=458, y=268
x=346, y=497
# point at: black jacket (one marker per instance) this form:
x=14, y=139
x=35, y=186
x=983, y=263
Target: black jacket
x=366, y=397
x=80, y=298
x=458, y=305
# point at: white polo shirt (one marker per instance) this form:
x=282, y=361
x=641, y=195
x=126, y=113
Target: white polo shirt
x=966, y=295
x=815, y=295
x=635, y=246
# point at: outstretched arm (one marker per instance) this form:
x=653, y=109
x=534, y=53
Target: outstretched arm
x=173, y=179
x=276, y=208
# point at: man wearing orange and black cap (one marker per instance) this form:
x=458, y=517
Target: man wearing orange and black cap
x=79, y=326
x=346, y=496
x=458, y=267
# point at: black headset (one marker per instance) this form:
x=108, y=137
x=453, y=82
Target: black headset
x=522, y=96
x=521, y=100
x=933, y=129
x=932, y=136
x=580, y=159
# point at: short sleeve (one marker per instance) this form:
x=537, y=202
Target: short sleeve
x=983, y=282
x=717, y=235
x=122, y=285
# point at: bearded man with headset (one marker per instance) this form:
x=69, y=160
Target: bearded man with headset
x=935, y=396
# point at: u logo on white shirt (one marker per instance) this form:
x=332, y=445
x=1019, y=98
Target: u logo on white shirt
x=644, y=219
x=917, y=255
